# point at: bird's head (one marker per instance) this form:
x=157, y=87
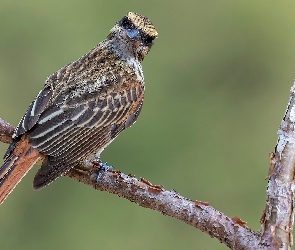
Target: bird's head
x=136, y=33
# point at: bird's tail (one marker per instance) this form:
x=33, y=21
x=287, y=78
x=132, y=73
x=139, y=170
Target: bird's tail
x=16, y=165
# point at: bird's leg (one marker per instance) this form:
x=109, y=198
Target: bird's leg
x=102, y=167
x=95, y=165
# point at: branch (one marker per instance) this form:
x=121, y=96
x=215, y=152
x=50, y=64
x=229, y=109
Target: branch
x=231, y=232
x=6, y=131
x=277, y=219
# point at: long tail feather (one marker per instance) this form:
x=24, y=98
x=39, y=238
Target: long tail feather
x=15, y=167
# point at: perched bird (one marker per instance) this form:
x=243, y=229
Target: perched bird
x=82, y=107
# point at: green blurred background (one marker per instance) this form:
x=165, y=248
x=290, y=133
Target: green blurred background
x=217, y=85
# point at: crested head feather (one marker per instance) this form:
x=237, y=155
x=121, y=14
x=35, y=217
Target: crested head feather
x=142, y=23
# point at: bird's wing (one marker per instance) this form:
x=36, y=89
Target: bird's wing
x=31, y=117
x=69, y=133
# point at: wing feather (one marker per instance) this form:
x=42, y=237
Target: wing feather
x=56, y=145
x=53, y=167
x=82, y=130
x=34, y=111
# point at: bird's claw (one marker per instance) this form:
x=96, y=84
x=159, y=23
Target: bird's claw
x=103, y=167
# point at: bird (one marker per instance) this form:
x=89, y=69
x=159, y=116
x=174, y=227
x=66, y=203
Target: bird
x=82, y=107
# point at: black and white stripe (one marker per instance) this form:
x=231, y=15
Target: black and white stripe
x=34, y=111
x=69, y=134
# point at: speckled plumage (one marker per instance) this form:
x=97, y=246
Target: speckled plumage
x=86, y=104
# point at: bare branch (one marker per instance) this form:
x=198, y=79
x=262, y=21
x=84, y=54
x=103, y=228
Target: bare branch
x=6, y=131
x=195, y=213
x=231, y=232
x=277, y=219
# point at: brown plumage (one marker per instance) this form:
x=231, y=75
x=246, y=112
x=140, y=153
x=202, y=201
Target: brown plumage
x=82, y=107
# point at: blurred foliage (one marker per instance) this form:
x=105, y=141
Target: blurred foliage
x=217, y=84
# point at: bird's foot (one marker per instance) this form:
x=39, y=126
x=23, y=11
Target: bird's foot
x=102, y=167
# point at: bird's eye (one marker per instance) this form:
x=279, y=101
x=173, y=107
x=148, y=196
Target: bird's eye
x=126, y=23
